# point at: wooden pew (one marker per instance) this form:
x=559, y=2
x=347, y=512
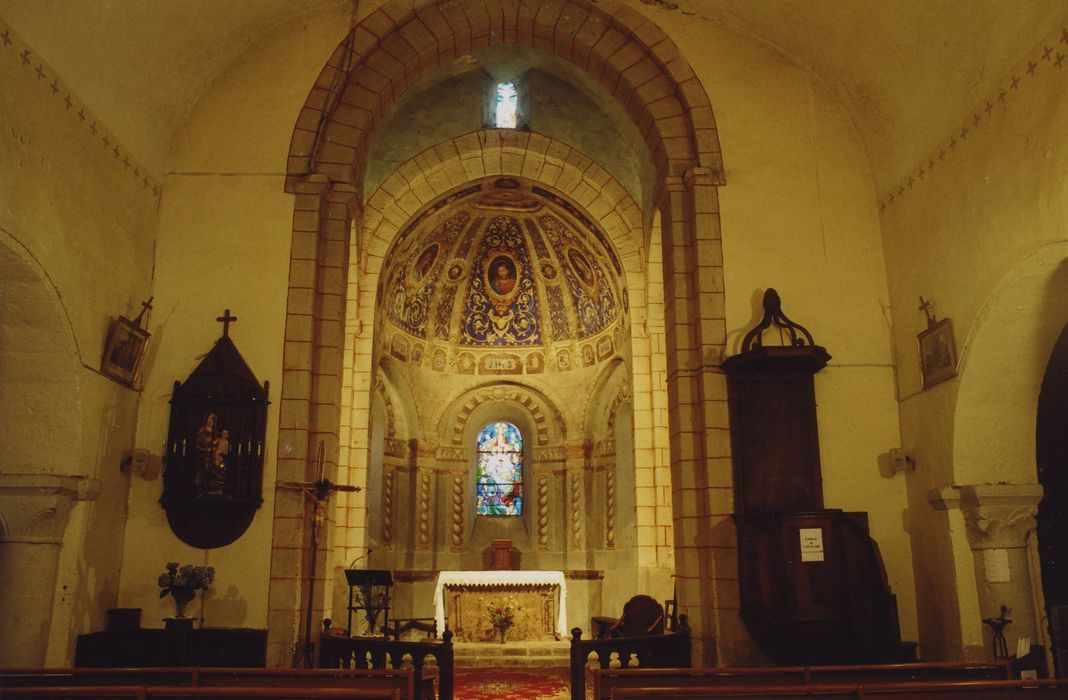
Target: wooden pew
x=61, y=692
x=776, y=692
x=964, y=690
x=403, y=679
x=608, y=679
x=928, y=671
x=259, y=691
x=604, y=680
x=26, y=677
x=336, y=652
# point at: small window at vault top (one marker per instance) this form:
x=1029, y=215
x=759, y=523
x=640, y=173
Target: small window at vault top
x=506, y=108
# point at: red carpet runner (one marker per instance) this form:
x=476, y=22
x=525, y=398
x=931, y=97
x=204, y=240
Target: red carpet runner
x=511, y=684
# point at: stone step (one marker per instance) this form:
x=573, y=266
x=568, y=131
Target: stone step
x=512, y=654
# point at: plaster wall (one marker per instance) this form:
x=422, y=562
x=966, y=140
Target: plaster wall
x=982, y=236
x=225, y=230
x=77, y=230
x=799, y=214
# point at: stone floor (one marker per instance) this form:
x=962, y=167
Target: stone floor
x=519, y=654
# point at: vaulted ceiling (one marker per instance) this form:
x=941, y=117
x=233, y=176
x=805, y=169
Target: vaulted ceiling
x=907, y=72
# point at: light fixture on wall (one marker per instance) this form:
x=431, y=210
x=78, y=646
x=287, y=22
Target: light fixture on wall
x=139, y=461
x=901, y=461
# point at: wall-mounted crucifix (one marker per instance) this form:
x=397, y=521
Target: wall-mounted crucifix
x=320, y=490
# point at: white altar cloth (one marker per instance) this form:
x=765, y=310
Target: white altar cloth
x=501, y=578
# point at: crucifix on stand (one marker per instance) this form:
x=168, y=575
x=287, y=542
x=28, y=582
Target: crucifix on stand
x=321, y=489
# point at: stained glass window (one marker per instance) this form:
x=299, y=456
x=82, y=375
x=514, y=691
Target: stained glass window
x=500, y=470
x=506, y=112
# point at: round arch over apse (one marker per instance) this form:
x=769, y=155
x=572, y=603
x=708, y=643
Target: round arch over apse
x=395, y=45
x=387, y=52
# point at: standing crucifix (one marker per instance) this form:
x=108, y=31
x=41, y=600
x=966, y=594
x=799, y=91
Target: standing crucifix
x=321, y=490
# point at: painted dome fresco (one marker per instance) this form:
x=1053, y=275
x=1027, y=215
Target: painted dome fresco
x=502, y=277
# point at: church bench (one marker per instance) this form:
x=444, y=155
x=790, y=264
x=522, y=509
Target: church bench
x=402, y=679
x=253, y=692
x=360, y=653
x=718, y=692
x=26, y=677
x=917, y=671
x=605, y=680
x=60, y=692
x=965, y=690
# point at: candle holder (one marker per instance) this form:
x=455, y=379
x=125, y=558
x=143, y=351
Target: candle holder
x=998, y=625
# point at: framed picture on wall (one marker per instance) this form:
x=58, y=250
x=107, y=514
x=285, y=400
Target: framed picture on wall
x=938, y=353
x=124, y=350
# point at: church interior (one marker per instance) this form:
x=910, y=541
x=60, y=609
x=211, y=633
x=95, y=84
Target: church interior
x=296, y=288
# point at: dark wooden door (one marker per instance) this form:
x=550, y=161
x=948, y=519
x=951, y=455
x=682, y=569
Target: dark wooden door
x=1051, y=441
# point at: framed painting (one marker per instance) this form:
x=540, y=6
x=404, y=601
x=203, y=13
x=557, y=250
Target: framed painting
x=124, y=350
x=938, y=353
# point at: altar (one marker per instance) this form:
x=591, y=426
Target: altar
x=464, y=597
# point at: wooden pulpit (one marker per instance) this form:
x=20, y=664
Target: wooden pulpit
x=813, y=587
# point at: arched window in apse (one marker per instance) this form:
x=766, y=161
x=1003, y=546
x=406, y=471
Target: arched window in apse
x=506, y=111
x=499, y=490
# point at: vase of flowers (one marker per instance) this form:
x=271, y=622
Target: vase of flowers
x=502, y=616
x=183, y=582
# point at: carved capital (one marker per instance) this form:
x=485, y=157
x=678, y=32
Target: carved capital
x=34, y=507
x=998, y=516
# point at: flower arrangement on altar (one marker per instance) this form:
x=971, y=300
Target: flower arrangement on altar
x=502, y=615
x=183, y=582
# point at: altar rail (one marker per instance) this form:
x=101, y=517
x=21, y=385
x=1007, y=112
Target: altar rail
x=381, y=653
x=671, y=650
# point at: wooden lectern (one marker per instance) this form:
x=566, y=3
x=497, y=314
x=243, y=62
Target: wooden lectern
x=369, y=592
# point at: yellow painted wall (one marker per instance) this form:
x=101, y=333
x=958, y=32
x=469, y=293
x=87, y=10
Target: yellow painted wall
x=84, y=227
x=798, y=213
x=224, y=238
x=982, y=236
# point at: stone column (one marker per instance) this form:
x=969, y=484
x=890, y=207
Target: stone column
x=706, y=574
x=575, y=487
x=34, y=510
x=424, y=484
x=1000, y=524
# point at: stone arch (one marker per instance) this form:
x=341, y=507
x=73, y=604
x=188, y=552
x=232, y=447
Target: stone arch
x=395, y=45
x=455, y=418
x=400, y=406
x=38, y=349
x=493, y=152
x=1002, y=362
x=41, y=373
x=628, y=54
x=382, y=392
x=603, y=389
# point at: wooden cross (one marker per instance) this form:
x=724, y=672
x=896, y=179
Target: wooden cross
x=925, y=307
x=145, y=306
x=321, y=489
x=226, y=319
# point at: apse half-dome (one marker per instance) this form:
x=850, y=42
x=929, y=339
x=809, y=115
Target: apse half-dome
x=503, y=277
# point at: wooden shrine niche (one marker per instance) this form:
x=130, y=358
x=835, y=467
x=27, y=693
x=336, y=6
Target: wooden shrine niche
x=213, y=478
